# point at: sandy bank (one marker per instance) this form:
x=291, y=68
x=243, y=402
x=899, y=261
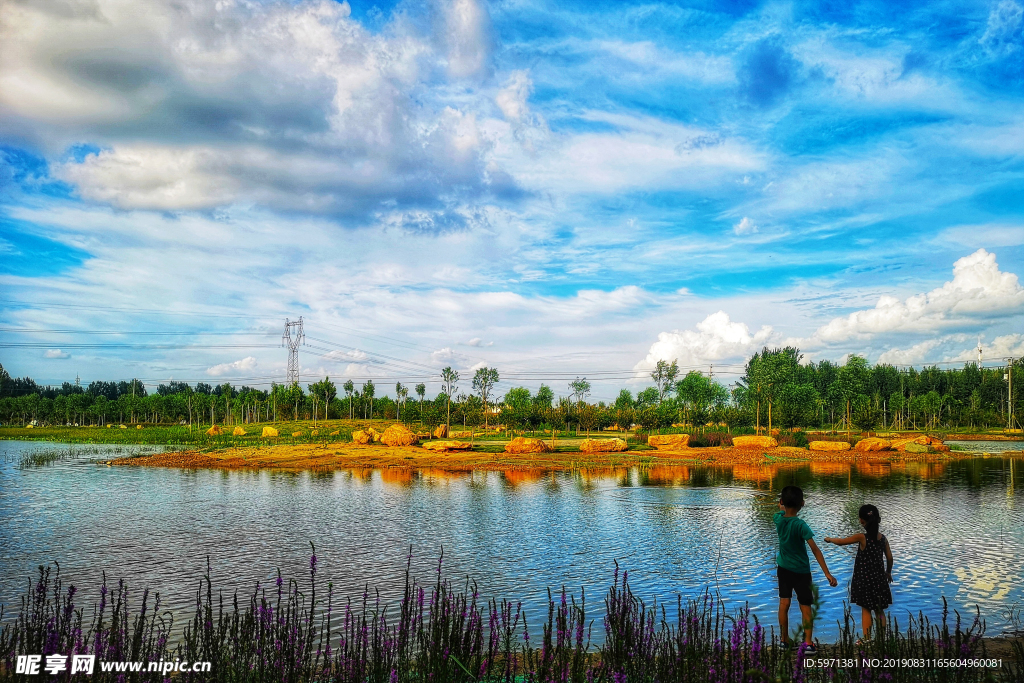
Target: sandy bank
x=343, y=456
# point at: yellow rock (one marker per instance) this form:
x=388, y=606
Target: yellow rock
x=829, y=445
x=398, y=435
x=138, y=426
x=315, y=432
x=668, y=441
x=334, y=433
x=121, y=427
x=441, y=432
x=524, y=444
x=33, y=427
x=603, y=446
x=109, y=426
x=872, y=444
x=361, y=436
x=269, y=431
x=296, y=433
x=461, y=435
x=443, y=446
x=212, y=431
x=238, y=431
x=754, y=442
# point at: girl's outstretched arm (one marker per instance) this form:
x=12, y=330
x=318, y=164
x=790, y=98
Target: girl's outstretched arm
x=888, y=560
x=849, y=540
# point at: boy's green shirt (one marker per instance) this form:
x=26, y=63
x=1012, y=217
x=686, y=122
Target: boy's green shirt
x=793, y=535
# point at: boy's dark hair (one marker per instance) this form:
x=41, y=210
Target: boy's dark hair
x=792, y=497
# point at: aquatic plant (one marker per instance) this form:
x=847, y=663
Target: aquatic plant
x=294, y=631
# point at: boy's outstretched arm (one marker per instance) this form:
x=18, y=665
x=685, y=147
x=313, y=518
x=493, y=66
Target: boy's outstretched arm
x=849, y=540
x=821, y=561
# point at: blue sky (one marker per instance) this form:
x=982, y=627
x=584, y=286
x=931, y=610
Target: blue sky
x=551, y=188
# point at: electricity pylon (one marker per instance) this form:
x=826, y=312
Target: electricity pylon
x=293, y=343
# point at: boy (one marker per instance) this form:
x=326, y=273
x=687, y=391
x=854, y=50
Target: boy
x=793, y=567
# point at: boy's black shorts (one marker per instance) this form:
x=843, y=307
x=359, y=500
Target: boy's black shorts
x=793, y=581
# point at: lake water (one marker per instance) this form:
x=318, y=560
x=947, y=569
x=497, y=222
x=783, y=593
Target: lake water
x=956, y=529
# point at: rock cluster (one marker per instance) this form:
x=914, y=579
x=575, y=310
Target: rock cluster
x=829, y=445
x=754, y=442
x=603, y=446
x=524, y=444
x=398, y=435
x=668, y=441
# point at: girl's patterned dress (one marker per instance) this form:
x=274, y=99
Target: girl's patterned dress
x=870, y=586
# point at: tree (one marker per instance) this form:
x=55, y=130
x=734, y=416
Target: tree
x=483, y=381
x=664, y=376
x=400, y=393
x=449, y=382
x=421, y=391
x=544, y=397
x=349, y=387
x=579, y=388
x=324, y=392
x=368, y=391
x=518, y=407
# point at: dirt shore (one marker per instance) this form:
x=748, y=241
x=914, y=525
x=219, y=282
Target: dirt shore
x=319, y=457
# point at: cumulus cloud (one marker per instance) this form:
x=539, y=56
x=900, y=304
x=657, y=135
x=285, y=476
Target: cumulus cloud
x=445, y=355
x=478, y=342
x=247, y=363
x=745, y=227
x=56, y=353
x=978, y=291
x=291, y=106
x=715, y=338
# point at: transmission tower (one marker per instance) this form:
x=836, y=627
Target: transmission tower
x=293, y=342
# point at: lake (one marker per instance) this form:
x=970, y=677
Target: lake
x=956, y=529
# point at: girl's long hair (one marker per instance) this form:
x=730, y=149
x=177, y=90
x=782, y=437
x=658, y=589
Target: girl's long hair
x=869, y=513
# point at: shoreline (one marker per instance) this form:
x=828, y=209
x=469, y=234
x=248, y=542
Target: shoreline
x=321, y=457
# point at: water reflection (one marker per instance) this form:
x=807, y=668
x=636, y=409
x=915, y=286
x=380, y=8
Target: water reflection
x=956, y=527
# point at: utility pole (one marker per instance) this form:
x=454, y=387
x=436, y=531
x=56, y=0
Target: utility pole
x=293, y=344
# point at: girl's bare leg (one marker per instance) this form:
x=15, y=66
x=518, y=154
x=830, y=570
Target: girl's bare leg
x=865, y=620
x=880, y=618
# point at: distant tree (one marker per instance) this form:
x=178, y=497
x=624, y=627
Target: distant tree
x=664, y=376
x=449, y=382
x=518, y=407
x=421, y=391
x=483, y=381
x=368, y=391
x=646, y=397
x=544, y=397
x=579, y=388
x=349, y=387
x=5, y=380
x=399, y=389
x=323, y=392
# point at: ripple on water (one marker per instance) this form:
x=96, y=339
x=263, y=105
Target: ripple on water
x=956, y=529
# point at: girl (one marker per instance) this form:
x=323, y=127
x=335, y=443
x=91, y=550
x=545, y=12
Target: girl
x=870, y=586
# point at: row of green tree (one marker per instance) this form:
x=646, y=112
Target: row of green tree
x=776, y=390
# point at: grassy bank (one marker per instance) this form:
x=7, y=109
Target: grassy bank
x=296, y=631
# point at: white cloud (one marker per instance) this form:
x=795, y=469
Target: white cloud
x=988, y=235
x=745, y=227
x=978, y=290
x=467, y=34
x=478, y=342
x=56, y=353
x=913, y=355
x=445, y=355
x=1005, y=29
x=512, y=99
x=247, y=363
x=716, y=338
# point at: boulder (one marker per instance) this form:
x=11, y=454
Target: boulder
x=829, y=445
x=296, y=433
x=775, y=431
x=398, y=435
x=445, y=446
x=460, y=435
x=873, y=444
x=524, y=444
x=212, y=431
x=123, y=427
x=270, y=431
x=914, y=447
x=603, y=446
x=336, y=432
x=668, y=441
x=441, y=432
x=361, y=436
x=109, y=426
x=315, y=432
x=754, y=442
x=237, y=431
x=138, y=426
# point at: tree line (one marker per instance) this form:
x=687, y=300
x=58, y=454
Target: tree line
x=777, y=390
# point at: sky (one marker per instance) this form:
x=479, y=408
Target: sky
x=554, y=189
